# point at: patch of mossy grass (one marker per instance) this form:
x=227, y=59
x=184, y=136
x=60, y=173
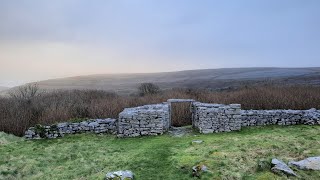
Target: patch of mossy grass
x=236, y=155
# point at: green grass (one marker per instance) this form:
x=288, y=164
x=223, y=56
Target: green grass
x=236, y=155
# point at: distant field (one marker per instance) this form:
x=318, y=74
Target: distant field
x=234, y=155
x=215, y=79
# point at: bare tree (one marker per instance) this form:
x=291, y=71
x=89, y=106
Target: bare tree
x=148, y=88
x=26, y=92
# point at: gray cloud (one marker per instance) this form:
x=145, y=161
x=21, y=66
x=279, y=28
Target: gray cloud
x=72, y=37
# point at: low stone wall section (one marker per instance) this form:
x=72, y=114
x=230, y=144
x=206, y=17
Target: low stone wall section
x=155, y=120
x=210, y=118
x=279, y=117
x=144, y=120
x=59, y=130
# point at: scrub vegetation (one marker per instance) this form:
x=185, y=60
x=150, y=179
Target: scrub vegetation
x=29, y=106
x=236, y=155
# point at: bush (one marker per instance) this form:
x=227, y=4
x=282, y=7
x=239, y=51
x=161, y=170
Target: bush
x=148, y=88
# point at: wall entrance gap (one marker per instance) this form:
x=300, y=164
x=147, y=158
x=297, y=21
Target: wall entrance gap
x=180, y=112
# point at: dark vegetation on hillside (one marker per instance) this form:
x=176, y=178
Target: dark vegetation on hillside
x=25, y=108
x=214, y=79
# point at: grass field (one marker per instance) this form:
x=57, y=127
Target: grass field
x=236, y=155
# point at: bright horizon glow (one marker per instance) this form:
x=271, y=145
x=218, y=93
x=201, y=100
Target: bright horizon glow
x=45, y=39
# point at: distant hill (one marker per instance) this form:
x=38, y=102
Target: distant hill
x=217, y=79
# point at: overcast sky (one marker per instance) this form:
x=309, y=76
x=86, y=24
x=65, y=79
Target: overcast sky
x=42, y=39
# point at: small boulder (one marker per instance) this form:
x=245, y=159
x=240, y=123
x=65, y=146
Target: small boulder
x=311, y=163
x=119, y=175
x=280, y=166
x=196, y=170
x=197, y=141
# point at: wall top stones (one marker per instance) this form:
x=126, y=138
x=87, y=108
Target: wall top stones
x=208, y=105
x=274, y=111
x=145, y=109
x=180, y=100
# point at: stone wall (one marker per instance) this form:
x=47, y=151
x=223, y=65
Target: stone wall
x=279, y=117
x=59, y=130
x=144, y=120
x=155, y=119
x=209, y=118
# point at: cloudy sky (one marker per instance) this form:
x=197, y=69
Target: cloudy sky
x=42, y=39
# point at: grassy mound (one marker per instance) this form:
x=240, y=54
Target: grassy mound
x=8, y=138
x=236, y=155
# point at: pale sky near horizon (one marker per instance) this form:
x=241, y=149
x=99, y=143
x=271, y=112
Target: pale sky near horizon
x=43, y=39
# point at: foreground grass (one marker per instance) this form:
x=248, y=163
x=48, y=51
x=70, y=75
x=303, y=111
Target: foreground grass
x=234, y=155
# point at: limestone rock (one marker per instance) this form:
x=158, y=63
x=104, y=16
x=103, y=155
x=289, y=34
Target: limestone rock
x=119, y=175
x=280, y=166
x=196, y=170
x=311, y=163
x=197, y=141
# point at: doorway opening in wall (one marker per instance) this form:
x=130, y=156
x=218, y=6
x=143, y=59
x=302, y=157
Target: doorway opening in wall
x=181, y=114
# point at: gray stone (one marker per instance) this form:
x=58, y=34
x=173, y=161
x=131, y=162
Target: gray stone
x=119, y=175
x=61, y=125
x=93, y=124
x=196, y=170
x=197, y=141
x=311, y=163
x=280, y=166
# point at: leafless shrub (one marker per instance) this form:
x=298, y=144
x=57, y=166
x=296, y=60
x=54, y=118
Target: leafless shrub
x=22, y=111
x=148, y=88
x=26, y=92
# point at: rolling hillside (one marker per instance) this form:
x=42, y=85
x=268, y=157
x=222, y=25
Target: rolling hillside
x=2, y=88
x=207, y=78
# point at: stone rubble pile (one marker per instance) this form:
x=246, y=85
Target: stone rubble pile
x=209, y=118
x=59, y=130
x=279, y=117
x=144, y=120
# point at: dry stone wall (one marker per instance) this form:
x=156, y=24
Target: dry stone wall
x=59, y=130
x=210, y=118
x=144, y=120
x=155, y=119
x=279, y=117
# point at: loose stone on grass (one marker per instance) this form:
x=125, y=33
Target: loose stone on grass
x=280, y=166
x=196, y=170
x=119, y=175
x=311, y=163
x=197, y=141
